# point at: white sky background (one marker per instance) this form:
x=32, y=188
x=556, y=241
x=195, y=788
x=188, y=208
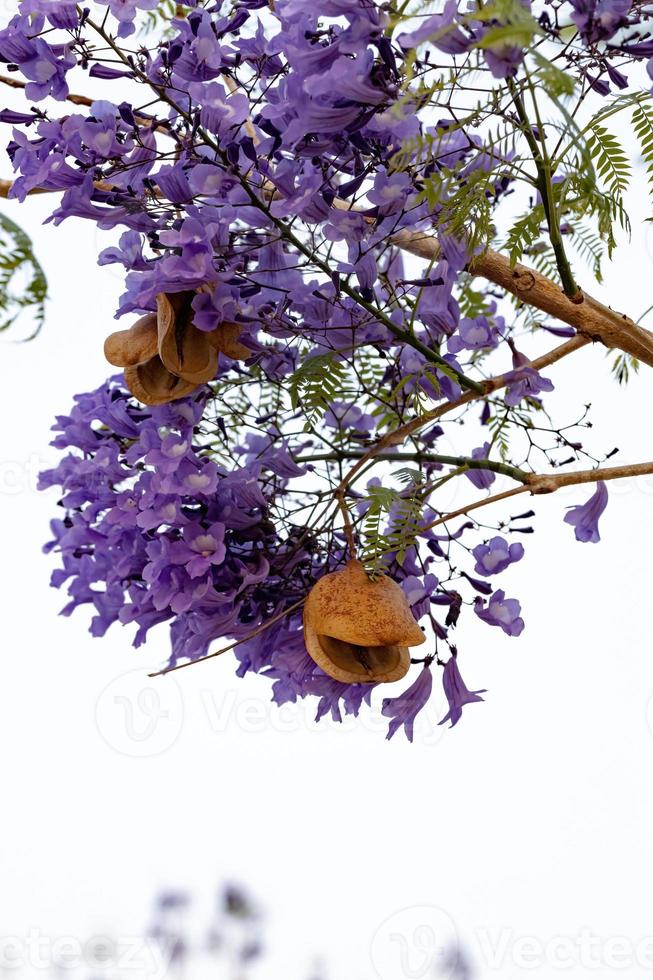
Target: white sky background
x=531, y=819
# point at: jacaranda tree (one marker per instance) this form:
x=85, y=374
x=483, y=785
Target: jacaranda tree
x=345, y=226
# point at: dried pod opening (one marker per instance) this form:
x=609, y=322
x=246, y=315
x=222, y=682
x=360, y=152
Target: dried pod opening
x=366, y=661
x=358, y=631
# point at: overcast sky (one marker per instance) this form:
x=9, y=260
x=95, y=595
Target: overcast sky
x=526, y=830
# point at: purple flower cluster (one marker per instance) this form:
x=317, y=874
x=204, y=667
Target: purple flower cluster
x=155, y=530
x=278, y=155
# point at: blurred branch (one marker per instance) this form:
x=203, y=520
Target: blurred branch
x=17, y=84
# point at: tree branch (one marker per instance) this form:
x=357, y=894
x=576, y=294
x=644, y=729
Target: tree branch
x=587, y=315
x=463, y=462
x=538, y=483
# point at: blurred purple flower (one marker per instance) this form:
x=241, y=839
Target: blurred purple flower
x=598, y=20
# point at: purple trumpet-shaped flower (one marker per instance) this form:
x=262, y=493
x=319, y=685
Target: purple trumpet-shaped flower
x=332, y=692
x=481, y=333
x=482, y=479
x=584, y=518
x=500, y=612
x=200, y=548
x=456, y=692
x=524, y=381
x=60, y=13
x=404, y=709
x=495, y=556
x=46, y=72
x=418, y=591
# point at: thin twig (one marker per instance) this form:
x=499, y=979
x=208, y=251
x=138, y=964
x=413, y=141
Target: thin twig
x=348, y=526
x=473, y=506
x=71, y=97
x=399, y=435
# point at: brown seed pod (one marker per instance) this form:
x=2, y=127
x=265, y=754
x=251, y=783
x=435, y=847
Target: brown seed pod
x=153, y=384
x=225, y=339
x=165, y=356
x=127, y=347
x=183, y=348
x=357, y=630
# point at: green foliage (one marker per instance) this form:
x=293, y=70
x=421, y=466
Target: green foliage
x=526, y=230
x=374, y=541
x=583, y=199
x=556, y=83
x=472, y=302
x=380, y=543
x=23, y=285
x=543, y=258
x=462, y=198
x=622, y=367
x=317, y=382
x=589, y=246
x=642, y=117
x=464, y=208
x=511, y=24
x=500, y=432
x=611, y=162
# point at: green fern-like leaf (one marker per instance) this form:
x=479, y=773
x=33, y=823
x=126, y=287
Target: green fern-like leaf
x=23, y=284
x=611, y=162
x=589, y=246
x=319, y=381
x=403, y=531
x=375, y=544
x=525, y=231
x=642, y=117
